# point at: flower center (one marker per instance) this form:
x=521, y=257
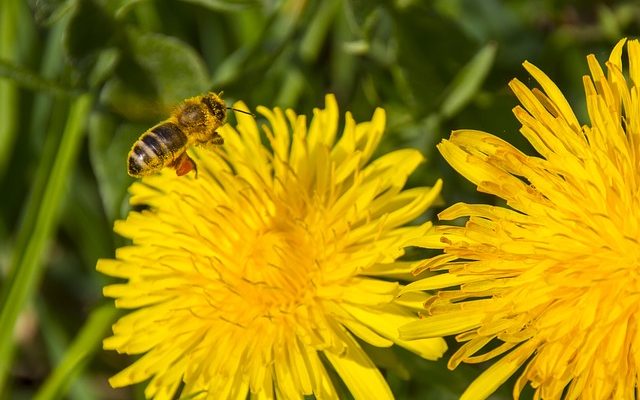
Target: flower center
x=278, y=269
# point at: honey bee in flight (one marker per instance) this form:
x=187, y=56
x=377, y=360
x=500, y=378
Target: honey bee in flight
x=194, y=122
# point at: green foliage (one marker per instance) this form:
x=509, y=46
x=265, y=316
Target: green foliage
x=112, y=68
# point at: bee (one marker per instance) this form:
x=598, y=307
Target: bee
x=194, y=122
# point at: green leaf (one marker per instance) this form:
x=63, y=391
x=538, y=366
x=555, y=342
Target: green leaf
x=29, y=79
x=108, y=149
x=466, y=84
x=90, y=29
x=83, y=219
x=318, y=30
x=265, y=46
x=137, y=102
x=225, y=5
x=104, y=67
x=159, y=72
x=291, y=89
x=47, y=11
x=363, y=10
x=430, y=51
x=175, y=67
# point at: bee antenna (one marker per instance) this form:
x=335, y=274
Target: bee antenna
x=241, y=111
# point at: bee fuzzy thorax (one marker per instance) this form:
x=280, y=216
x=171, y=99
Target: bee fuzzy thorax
x=193, y=122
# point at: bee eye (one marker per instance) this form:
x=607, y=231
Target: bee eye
x=219, y=110
x=216, y=108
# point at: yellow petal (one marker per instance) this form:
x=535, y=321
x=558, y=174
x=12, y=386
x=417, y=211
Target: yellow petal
x=441, y=325
x=361, y=376
x=494, y=376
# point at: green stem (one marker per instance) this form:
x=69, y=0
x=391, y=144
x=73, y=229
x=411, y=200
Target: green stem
x=78, y=354
x=8, y=89
x=26, y=270
x=31, y=80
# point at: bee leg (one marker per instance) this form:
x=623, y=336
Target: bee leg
x=184, y=164
x=216, y=139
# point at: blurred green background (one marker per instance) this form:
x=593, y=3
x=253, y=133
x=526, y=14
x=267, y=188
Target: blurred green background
x=81, y=79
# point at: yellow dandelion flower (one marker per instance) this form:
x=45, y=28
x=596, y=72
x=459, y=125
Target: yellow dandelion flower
x=272, y=267
x=550, y=284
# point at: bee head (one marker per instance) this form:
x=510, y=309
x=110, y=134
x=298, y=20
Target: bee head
x=216, y=106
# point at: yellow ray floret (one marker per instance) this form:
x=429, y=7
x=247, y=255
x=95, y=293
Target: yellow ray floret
x=549, y=284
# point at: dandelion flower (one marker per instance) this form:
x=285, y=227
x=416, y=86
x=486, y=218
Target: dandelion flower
x=550, y=284
x=269, y=271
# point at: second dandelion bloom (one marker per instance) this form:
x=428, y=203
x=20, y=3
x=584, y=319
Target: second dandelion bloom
x=269, y=271
x=549, y=284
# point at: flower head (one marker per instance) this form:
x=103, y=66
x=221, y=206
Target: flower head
x=272, y=265
x=551, y=283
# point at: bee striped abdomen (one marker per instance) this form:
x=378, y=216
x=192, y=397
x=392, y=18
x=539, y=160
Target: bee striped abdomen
x=156, y=148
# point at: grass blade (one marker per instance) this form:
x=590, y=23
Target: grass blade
x=26, y=270
x=468, y=81
x=78, y=354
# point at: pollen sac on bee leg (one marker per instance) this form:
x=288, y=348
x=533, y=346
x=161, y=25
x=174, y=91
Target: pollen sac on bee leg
x=185, y=164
